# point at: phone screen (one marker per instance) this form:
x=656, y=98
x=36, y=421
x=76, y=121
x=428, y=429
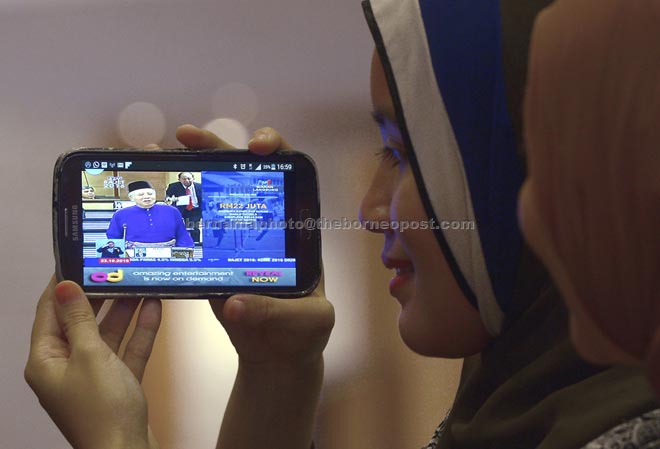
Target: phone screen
x=177, y=224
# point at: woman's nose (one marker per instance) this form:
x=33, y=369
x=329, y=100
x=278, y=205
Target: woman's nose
x=375, y=207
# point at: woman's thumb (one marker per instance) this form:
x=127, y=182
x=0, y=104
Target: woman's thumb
x=75, y=314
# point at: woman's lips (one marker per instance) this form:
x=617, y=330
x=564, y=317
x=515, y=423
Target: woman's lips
x=404, y=272
x=399, y=281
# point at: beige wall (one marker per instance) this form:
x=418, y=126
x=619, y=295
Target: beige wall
x=70, y=68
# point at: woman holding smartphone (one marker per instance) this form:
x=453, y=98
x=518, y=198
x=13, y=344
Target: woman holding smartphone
x=447, y=83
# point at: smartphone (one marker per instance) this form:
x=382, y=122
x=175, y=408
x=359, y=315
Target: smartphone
x=186, y=223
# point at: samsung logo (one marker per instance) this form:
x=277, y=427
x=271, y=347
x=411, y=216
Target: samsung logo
x=75, y=224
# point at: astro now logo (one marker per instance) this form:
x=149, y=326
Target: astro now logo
x=113, y=276
x=264, y=277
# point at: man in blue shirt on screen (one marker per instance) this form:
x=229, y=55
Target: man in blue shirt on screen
x=147, y=223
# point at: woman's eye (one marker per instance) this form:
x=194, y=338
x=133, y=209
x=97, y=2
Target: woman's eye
x=389, y=154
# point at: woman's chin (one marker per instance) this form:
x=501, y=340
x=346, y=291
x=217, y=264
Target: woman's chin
x=429, y=343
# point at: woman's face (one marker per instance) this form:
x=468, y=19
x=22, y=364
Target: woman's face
x=436, y=318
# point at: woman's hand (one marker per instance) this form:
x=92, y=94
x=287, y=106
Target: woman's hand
x=279, y=342
x=268, y=330
x=93, y=396
x=264, y=140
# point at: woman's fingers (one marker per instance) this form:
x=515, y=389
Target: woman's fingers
x=115, y=323
x=139, y=347
x=46, y=330
x=197, y=138
x=75, y=316
x=267, y=140
x=264, y=140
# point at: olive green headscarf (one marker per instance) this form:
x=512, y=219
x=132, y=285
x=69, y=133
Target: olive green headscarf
x=456, y=71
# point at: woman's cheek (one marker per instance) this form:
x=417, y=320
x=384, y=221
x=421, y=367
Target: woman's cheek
x=407, y=204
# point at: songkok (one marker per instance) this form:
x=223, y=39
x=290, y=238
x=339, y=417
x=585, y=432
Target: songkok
x=137, y=185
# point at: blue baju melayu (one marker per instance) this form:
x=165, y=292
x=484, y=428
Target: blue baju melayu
x=158, y=224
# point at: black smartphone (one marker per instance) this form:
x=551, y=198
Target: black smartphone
x=186, y=223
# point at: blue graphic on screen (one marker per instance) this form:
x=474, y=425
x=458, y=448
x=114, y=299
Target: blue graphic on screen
x=243, y=213
x=157, y=236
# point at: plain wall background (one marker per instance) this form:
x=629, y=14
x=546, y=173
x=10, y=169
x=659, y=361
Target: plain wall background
x=67, y=71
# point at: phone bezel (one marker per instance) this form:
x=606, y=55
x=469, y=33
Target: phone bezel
x=67, y=221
